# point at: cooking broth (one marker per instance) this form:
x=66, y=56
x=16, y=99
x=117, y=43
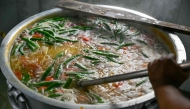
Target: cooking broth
x=52, y=55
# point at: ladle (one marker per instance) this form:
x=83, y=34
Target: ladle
x=121, y=77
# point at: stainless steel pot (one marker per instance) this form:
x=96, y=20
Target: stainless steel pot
x=37, y=101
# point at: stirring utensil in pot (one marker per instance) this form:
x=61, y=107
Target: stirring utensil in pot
x=121, y=15
x=121, y=77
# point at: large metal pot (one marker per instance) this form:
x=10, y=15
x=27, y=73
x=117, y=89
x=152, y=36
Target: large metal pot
x=37, y=101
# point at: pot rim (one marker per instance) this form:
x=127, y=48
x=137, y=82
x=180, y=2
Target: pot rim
x=5, y=67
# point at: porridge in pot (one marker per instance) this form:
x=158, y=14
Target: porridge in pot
x=52, y=55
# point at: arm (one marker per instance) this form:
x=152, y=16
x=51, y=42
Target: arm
x=169, y=97
x=166, y=76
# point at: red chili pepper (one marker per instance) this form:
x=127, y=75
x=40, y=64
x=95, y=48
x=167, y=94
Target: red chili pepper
x=37, y=35
x=18, y=74
x=50, y=78
x=100, y=48
x=124, y=48
x=32, y=68
x=42, y=87
x=86, y=39
x=116, y=85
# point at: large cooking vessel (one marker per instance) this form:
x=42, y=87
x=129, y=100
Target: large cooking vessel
x=35, y=100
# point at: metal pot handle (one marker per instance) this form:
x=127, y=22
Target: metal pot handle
x=16, y=98
x=153, y=104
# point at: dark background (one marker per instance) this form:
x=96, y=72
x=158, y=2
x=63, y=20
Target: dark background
x=14, y=11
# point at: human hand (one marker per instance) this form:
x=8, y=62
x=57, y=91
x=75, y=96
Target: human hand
x=165, y=71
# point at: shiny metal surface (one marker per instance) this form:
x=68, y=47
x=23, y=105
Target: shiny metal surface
x=121, y=77
x=115, y=78
x=121, y=15
x=42, y=102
